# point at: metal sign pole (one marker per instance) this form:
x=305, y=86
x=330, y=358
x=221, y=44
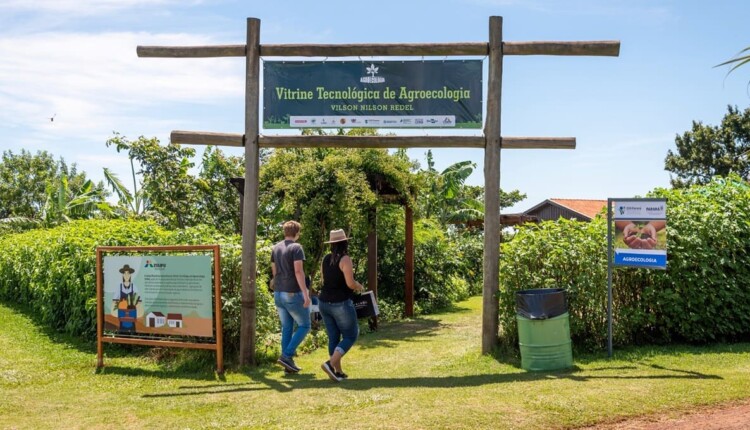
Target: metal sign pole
x=609, y=278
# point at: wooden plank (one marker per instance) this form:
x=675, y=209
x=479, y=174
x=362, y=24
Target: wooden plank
x=409, y=245
x=162, y=343
x=371, y=141
x=538, y=143
x=99, y=310
x=250, y=202
x=156, y=248
x=609, y=48
x=375, y=49
x=604, y=48
x=237, y=140
x=191, y=51
x=217, y=311
x=207, y=138
x=491, y=260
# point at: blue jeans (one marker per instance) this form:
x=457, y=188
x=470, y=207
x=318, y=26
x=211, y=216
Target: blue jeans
x=291, y=310
x=341, y=323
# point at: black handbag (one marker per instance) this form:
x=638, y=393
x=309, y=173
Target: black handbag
x=366, y=305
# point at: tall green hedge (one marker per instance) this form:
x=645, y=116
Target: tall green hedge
x=703, y=296
x=52, y=272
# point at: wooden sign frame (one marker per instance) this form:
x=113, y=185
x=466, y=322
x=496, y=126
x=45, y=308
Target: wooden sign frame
x=217, y=346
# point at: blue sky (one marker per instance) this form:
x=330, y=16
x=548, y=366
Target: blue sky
x=76, y=60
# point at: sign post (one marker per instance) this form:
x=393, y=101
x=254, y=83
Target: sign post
x=639, y=240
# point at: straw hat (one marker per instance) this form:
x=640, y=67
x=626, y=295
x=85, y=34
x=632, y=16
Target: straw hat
x=336, y=236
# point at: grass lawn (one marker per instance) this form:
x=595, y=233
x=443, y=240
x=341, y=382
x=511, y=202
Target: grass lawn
x=424, y=373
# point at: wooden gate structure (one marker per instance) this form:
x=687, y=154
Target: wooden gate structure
x=492, y=142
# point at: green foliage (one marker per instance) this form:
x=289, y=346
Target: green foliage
x=37, y=190
x=54, y=272
x=707, y=151
x=219, y=201
x=446, y=196
x=445, y=268
x=326, y=189
x=167, y=185
x=563, y=254
x=703, y=296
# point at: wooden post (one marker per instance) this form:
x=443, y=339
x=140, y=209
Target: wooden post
x=409, y=245
x=217, y=312
x=372, y=251
x=99, y=311
x=250, y=201
x=492, y=188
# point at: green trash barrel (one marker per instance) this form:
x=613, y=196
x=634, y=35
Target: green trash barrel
x=544, y=329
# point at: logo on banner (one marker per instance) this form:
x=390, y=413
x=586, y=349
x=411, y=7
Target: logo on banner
x=154, y=265
x=372, y=79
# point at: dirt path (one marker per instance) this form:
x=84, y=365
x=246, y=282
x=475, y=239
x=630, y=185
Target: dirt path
x=728, y=417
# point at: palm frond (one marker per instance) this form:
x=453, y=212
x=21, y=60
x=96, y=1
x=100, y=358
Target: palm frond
x=118, y=187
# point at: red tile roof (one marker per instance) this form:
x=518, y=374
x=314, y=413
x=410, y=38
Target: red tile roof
x=590, y=208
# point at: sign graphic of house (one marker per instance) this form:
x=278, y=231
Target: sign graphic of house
x=174, y=320
x=155, y=319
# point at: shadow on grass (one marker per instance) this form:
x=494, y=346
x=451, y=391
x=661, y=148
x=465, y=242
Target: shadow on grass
x=181, y=372
x=389, y=335
x=55, y=336
x=262, y=381
x=210, y=389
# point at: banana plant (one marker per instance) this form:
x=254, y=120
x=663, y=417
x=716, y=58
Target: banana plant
x=60, y=205
x=136, y=203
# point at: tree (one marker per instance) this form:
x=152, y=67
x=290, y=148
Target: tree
x=36, y=188
x=167, y=184
x=218, y=200
x=23, y=181
x=707, y=151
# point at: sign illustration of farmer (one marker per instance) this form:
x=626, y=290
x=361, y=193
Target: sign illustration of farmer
x=126, y=300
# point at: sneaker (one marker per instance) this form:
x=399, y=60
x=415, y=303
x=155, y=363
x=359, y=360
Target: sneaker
x=342, y=375
x=329, y=370
x=288, y=364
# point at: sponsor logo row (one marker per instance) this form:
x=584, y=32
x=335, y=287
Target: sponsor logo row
x=441, y=121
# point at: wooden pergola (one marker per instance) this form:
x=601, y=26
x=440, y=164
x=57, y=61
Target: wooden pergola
x=387, y=194
x=495, y=49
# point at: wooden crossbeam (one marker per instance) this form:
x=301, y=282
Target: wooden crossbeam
x=192, y=51
x=607, y=48
x=603, y=48
x=237, y=140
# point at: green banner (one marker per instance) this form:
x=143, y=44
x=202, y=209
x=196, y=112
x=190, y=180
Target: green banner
x=385, y=94
x=157, y=294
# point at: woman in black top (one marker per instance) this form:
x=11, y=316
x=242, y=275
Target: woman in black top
x=336, y=306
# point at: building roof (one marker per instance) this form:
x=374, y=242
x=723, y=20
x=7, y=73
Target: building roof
x=587, y=208
x=590, y=208
x=174, y=316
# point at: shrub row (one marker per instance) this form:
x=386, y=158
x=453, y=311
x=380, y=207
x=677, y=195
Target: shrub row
x=53, y=273
x=703, y=296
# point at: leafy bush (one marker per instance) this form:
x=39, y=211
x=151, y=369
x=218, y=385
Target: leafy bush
x=53, y=271
x=703, y=296
x=440, y=264
x=563, y=254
